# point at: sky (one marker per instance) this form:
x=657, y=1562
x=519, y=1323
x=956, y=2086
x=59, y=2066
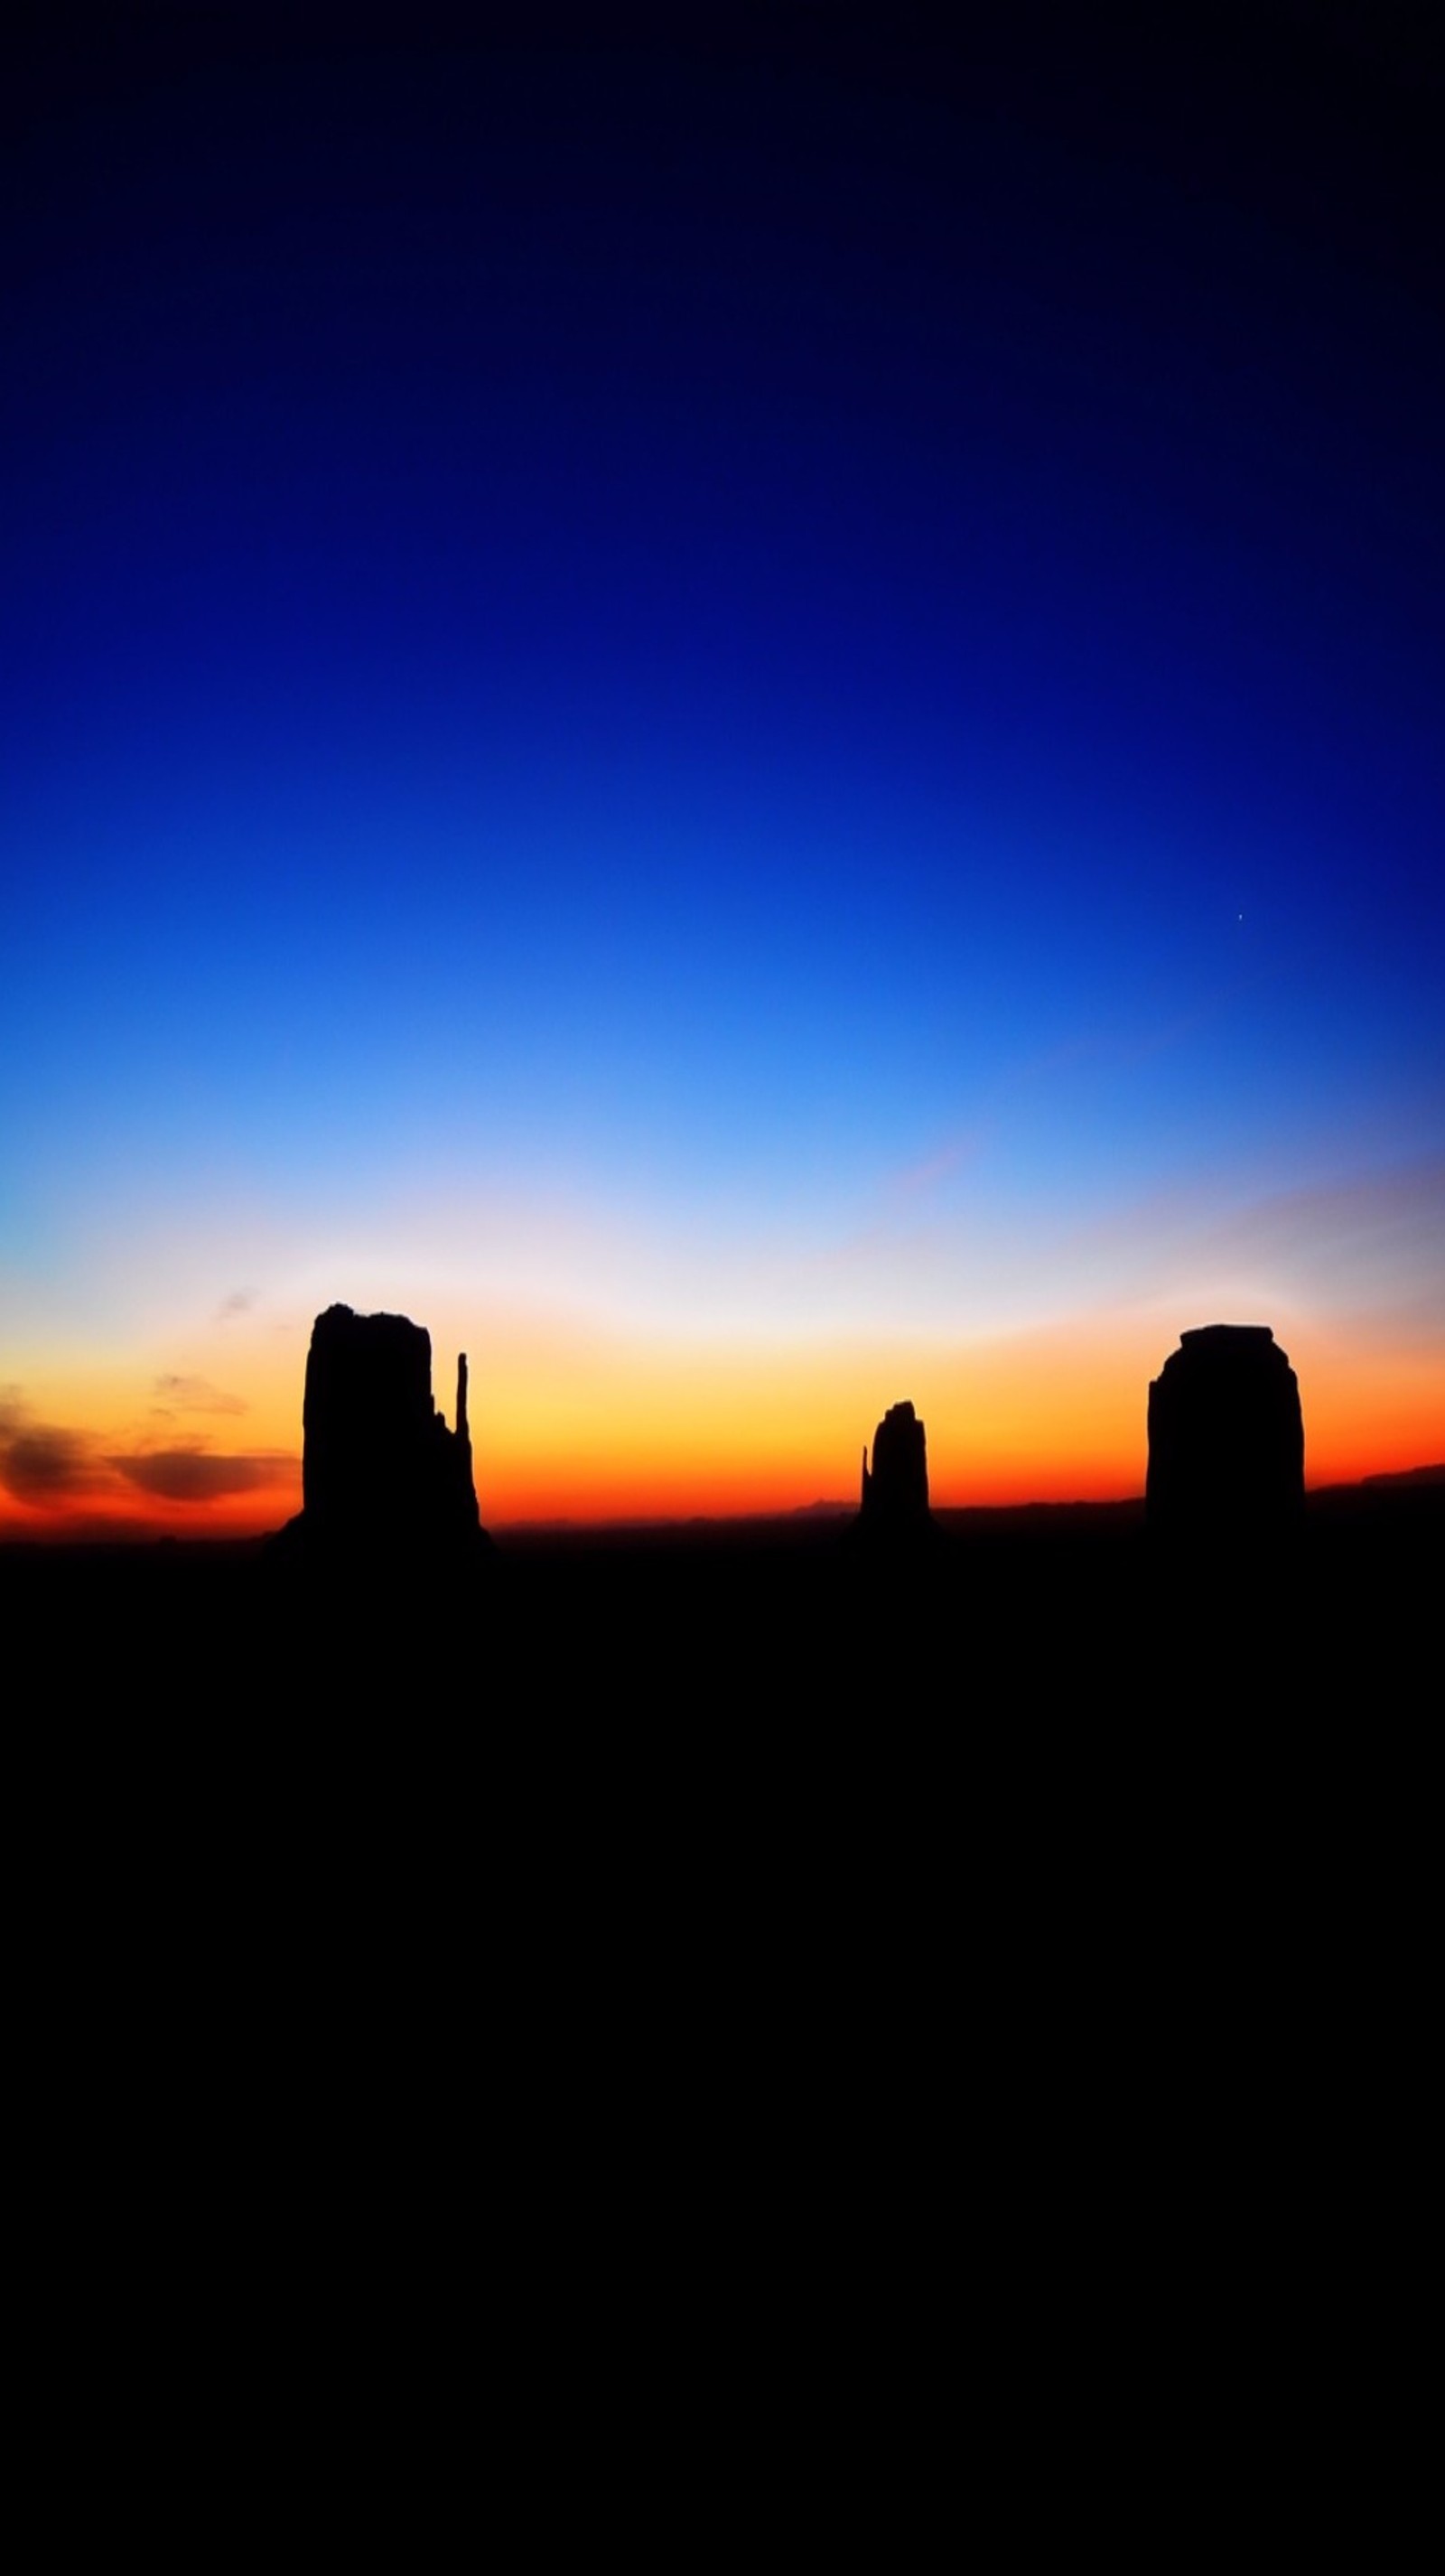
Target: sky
x=745, y=708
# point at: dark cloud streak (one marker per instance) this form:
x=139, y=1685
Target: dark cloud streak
x=194, y=1476
x=44, y=1464
x=47, y=1466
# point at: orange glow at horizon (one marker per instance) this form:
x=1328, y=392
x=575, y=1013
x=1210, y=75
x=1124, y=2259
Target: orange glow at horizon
x=572, y=1427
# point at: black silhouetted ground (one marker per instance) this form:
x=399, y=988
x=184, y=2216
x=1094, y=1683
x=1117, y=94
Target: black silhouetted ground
x=1055, y=1616
x=686, y=1920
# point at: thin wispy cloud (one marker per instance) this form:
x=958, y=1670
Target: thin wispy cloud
x=180, y=1394
x=918, y=1179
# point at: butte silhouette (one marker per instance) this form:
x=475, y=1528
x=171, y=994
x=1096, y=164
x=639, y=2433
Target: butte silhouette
x=893, y=1508
x=381, y=1474
x=1226, y=1439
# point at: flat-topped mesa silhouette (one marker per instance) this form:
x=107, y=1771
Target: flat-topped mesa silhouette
x=1226, y=1438
x=894, y=1500
x=380, y=1469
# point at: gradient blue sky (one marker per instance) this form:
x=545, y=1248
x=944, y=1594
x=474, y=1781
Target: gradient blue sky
x=750, y=686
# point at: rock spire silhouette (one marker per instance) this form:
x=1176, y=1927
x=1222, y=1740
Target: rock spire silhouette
x=895, y=1489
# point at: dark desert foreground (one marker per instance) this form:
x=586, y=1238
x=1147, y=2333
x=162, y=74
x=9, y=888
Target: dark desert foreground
x=629, y=1803
x=737, y=1920
x=1047, y=1614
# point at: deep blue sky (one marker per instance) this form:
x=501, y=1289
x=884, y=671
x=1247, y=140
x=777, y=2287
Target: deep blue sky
x=704, y=621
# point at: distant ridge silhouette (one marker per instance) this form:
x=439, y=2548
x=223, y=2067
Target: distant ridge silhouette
x=1226, y=1438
